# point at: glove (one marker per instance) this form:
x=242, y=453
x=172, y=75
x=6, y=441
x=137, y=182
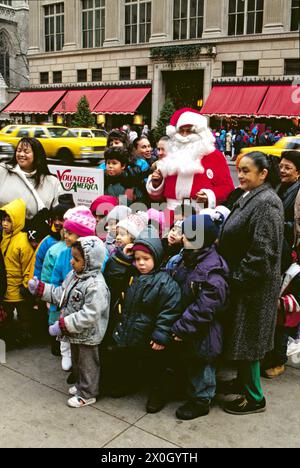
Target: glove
x=54, y=330
x=33, y=285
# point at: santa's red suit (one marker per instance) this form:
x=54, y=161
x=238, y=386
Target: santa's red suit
x=192, y=164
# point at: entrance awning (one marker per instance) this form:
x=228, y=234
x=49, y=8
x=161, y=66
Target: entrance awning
x=239, y=100
x=68, y=105
x=281, y=101
x=34, y=102
x=121, y=101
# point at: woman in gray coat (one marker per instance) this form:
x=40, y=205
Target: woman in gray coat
x=251, y=243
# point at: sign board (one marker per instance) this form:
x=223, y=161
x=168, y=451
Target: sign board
x=84, y=183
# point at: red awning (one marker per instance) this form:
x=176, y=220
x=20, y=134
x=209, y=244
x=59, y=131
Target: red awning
x=234, y=100
x=34, y=102
x=121, y=101
x=281, y=101
x=68, y=105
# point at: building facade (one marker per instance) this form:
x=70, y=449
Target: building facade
x=155, y=42
x=14, y=68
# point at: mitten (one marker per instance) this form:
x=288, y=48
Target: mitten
x=54, y=330
x=33, y=285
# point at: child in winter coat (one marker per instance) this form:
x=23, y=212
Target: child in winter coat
x=118, y=213
x=150, y=307
x=202, y=276
x=18, y=256
x=120, y=179
x=79, y=222
x=84, y=302
x=287, y=322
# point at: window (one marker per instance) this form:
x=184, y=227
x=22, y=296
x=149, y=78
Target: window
x=245, y=17
x=39, y=133
x=57, y=77
x=54, y=27
x=292, y=66
x=137, y=21
x=6, y=2
x=141, y=73
x=81, y=76
x=23, y=132
x=4, y=58
x=44, y=77
x=124, y=73
x=295, y=15
x=93, y=23
x=250, y=67
x=96, y=74
x=228, y=68
x=188, y=19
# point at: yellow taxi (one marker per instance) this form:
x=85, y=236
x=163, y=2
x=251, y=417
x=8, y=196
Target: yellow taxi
x=284, y=144
x=59, y=142
x=98, y=135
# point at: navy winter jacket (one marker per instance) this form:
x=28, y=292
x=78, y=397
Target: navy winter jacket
x=202, y=276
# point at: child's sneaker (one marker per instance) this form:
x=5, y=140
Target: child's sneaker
x=72, y=390
x=66, y=363
x=78, y=401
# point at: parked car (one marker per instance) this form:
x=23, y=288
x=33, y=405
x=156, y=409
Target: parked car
x=6, y=151
x=284, y=144
x=59, y=142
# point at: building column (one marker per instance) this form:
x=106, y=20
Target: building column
x=274, y=16
x=160, y=20
x=35, y=38
x=213, y=18
x=71, y=40
x=113, y=30
x=158, y=92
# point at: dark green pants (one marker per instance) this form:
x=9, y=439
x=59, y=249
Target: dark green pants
x=249, y=377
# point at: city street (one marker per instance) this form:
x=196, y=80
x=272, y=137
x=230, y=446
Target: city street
x=34, y=414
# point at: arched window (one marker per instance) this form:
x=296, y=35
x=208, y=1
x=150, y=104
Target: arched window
x=4, y=57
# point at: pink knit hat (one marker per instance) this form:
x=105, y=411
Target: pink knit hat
x=80, y=221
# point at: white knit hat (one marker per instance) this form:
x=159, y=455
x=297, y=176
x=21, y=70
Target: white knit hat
x=119, y=213
x=134, y=224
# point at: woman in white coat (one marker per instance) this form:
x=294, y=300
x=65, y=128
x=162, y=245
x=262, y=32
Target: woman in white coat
x=27, y=176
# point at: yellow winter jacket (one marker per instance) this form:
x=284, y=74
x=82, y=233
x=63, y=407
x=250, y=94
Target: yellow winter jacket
x=16, y=250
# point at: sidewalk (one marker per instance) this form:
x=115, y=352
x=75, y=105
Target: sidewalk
x=33, y=395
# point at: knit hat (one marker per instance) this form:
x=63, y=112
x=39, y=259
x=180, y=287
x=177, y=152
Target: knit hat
x=80, y=221
x=142, y=248
x=120, y=154
x=201, y=229
x=103, y=204
x=186, y=116
x=219, y=214
x=134, y=224
x=65, y=202
x=159, y=218
x=119, y=213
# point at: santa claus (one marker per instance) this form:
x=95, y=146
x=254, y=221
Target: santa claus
x=193, y=168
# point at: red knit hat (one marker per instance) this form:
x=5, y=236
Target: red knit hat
x=108, y=203
x=143, y=248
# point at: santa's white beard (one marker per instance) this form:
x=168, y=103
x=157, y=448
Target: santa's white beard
x=184, y=154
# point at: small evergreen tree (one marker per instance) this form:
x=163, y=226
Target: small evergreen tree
x=166, y=112
x=83, y=116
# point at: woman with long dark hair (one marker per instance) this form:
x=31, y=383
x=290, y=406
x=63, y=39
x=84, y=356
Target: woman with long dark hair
x=27, y=176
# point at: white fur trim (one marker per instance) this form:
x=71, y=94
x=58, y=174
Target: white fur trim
x=170, y=131
x=191, y=118
x=154, y=191
x=211, y=198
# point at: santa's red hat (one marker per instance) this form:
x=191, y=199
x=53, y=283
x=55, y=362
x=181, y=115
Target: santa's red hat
x=186, y=116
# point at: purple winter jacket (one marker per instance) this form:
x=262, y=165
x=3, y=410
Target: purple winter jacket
x=202, y=276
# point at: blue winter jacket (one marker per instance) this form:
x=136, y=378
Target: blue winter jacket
x=41, y=254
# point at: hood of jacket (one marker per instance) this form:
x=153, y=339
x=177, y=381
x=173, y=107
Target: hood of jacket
x=94, y=254
x=149, y=238
x=16, y=210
